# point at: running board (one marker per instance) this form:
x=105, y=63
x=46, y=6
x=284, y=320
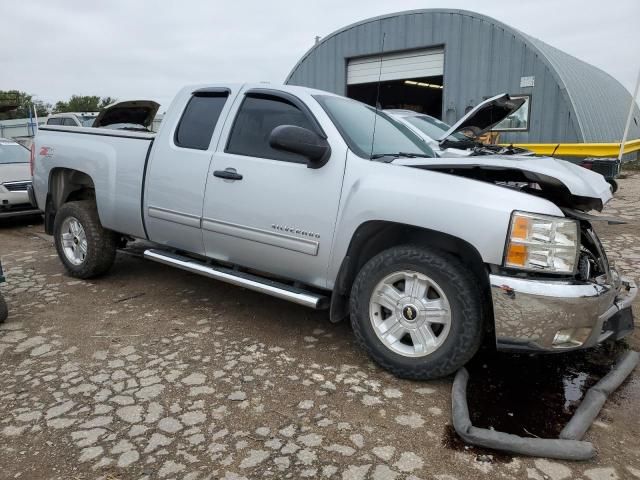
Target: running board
x=240, y=279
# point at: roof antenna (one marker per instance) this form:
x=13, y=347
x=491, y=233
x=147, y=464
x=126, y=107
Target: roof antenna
x=375, y=119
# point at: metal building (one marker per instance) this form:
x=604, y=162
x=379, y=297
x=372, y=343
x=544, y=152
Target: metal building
x=443, y=62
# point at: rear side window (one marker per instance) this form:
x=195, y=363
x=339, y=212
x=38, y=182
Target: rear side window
x=68, y=122
x=256, y=119
x=199, y=120
x=54, y=121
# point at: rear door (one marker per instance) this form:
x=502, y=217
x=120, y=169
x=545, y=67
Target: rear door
x=264, y=208
x=177, y=170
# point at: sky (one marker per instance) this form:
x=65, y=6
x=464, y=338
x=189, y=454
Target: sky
x=150, y=49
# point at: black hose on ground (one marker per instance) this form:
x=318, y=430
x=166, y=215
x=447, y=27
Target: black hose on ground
x=596, y=396
x=482, y=437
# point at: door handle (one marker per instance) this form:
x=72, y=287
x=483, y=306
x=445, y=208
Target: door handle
x=227, y=174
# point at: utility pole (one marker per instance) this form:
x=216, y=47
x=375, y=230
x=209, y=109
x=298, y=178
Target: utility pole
x=626, y=128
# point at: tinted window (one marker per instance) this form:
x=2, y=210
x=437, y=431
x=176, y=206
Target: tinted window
x=356, y=122
x=54, y=121
x=256, y=119
x=68, y=122
x=199, y=120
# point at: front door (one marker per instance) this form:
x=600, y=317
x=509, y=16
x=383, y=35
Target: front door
x=264, y=208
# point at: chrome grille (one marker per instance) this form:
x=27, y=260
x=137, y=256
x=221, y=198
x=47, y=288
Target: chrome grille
x=17, y=186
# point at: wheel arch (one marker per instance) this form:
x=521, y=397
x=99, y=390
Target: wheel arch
x=373, y=237
x=65, y=184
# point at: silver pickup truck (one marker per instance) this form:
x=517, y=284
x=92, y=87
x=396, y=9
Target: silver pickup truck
x=329, y=203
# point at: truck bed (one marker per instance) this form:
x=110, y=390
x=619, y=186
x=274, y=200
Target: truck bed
x=114, y=159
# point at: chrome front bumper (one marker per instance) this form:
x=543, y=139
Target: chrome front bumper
x=548, y=316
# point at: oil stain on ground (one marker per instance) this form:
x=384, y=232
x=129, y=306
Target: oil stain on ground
x=534, y=395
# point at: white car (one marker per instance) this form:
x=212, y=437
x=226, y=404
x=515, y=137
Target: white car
x=460, y=140
x=15, y=179
x=72, y=119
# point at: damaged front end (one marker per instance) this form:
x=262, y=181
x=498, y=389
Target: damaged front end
x=563, y=183
x=546, y=299
x=536, y=306
x=537, y=313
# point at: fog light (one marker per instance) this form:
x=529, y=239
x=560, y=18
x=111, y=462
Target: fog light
x=571, y=337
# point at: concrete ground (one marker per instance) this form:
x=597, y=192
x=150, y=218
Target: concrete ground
x=151, y=372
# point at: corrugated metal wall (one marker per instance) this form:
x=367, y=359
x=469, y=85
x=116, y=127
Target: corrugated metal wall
x=482, y=58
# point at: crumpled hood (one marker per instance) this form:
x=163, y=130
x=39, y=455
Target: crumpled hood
x=565, y=183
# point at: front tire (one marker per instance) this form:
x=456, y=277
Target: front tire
x=86, y=248
x=417, y=312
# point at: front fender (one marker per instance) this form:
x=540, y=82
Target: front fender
x=471, y=210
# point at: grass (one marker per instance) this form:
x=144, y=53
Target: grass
x=630, y=167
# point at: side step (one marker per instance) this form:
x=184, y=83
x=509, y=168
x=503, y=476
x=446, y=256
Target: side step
x=241, y=279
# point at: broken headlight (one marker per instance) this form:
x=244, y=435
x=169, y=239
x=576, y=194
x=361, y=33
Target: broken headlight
x=542, y=243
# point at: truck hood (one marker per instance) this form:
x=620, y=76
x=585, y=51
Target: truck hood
x=14, y=172
x=564, y=183
x=132, y=112
x=486, y=115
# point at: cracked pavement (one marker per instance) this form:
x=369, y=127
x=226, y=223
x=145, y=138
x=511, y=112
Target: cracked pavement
x=151, y=372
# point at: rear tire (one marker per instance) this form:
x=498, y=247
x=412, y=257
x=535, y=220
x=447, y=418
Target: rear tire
x=417, y=312
x=86, y=248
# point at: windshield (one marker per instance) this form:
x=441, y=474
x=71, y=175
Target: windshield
x=356, y=120
x=432, y=127
x=87, y=121
x=13, y=153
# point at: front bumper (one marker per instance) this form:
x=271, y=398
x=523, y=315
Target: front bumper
x=549, y=316
x=17, y=204
x=19, y=211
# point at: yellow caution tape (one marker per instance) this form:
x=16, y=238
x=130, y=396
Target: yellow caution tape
x=580, y=149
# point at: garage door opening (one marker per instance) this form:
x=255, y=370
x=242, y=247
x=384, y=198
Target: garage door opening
x=409, y=80
x=423, y=95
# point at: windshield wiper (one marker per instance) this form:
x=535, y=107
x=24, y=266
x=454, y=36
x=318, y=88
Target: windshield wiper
x=393, y=156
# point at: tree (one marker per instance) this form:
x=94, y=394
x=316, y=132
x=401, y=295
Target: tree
x=83, y=103
x=16, y=104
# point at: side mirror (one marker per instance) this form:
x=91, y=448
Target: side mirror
x=303, y=142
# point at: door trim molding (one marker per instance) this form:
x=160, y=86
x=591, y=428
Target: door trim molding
x=268, y=237
x=174, y=216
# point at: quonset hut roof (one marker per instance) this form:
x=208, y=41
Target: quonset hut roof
x=571, y=99
x=600, y=102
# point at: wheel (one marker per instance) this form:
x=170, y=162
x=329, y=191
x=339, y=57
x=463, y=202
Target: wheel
x=4, y=310
x=85, y=248
x=417, y=312
x=613, y=184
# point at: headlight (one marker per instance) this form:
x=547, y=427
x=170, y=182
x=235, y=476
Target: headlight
x=542, y=242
